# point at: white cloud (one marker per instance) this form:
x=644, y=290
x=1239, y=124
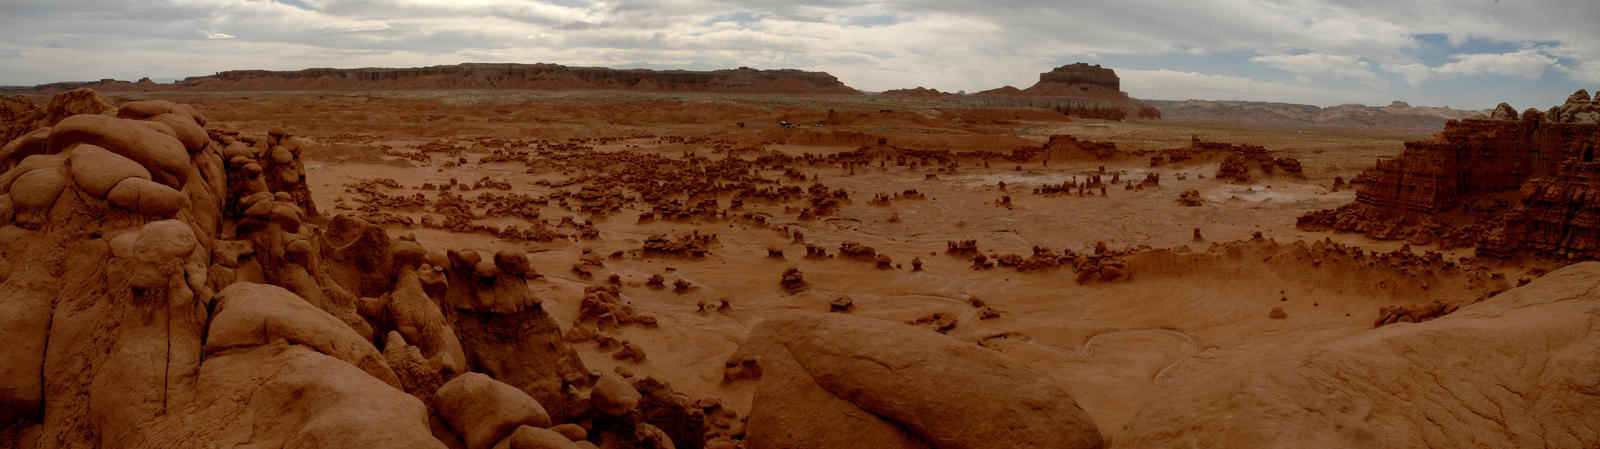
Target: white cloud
x=1334, y=50
x=1527, y=63
x=1321, y=65
x=1587, y=73
x=1412, y=73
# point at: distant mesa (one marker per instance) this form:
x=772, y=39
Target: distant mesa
x=917, y=92
x=1079, y=90
x=480, y=76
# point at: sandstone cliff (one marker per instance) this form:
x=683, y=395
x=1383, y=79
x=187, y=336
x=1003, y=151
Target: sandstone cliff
x=1459, y=185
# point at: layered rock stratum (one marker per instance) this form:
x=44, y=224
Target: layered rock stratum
x=1504, y=183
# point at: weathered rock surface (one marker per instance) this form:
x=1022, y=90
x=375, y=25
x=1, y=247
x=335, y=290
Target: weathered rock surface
x=832, y=379
x=257, y=314
x=1442, y=383
x=1473, y=166
x=129, y=322
x=484, y=411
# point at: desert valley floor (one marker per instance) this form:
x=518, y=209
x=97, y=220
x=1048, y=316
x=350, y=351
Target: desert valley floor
x=1159, y=273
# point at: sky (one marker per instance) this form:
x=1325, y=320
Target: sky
x=1468, y=54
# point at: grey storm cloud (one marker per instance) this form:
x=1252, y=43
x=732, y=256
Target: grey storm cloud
x=1322, y=51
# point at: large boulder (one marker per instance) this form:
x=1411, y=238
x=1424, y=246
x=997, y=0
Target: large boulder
x=283, y=395
x=256, y=314
x=1517, y=370
x=613, y=396
x=97, y=170
x=484, y=411
x=162, y=154
x=526, y=437
x=831, y=379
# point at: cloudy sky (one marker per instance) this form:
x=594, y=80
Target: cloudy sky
x=1459, y=53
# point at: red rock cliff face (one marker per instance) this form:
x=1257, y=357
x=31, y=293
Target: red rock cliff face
x=1469, y=158
x=1505, y=184
x=1559, y=216
x=489, y=76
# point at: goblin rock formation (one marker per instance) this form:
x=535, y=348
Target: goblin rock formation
x=1505, y=183
x=168, y=285
x=484, y=76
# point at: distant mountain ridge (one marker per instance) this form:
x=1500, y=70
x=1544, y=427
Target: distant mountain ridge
x=479, y=76
x=1397, y=117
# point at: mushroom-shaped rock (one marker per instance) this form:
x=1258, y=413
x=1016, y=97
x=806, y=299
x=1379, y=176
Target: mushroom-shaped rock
x=238, y=154
x=461, y=259
x=900, y=386
x=512, y=262
x=97, y=170
x=485, y=270
x=286, y=216
x=33, y=193
x=407, y=253
x=614, y=396
x=155, y=252
x=147, y=197
x=162, y=154
x=484, y=411
x=257, y=314
x=527, y=437
x=188, y=132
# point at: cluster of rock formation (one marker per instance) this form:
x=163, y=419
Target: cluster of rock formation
x=166, y=284
x=1246, y=161
x=1506, y=183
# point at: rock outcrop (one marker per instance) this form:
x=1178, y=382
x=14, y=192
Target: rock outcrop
x=168, y=285
x=1442, y=383
x=123, y=327
x=1476, y=167
x=832, y=380
x=483, y=76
